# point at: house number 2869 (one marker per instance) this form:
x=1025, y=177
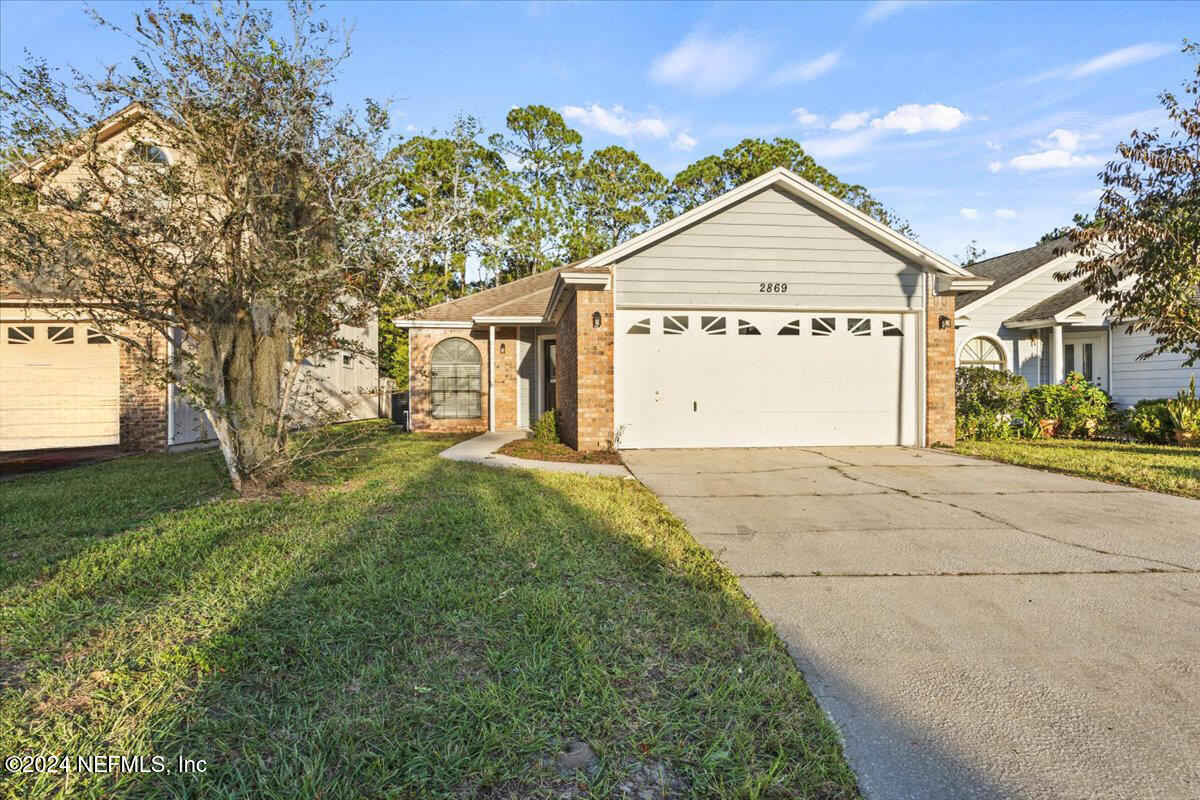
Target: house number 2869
x=772, y=288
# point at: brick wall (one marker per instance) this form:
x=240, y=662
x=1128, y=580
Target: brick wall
x=506, y=378
x=143, y=421
x=594, y=369
x=939, y=369
x=565, y=371
x=421, y=342
x=585, y=371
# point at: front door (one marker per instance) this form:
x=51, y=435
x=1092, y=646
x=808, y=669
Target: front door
x=549, y=374
x=1085, y=353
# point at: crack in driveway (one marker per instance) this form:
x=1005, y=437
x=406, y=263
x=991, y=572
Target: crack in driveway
x=1018, y=529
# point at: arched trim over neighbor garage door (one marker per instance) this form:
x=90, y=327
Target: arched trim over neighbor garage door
x=815, y=378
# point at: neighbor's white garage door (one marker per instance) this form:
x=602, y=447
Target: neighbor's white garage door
x=765, y=379
x=59, y=386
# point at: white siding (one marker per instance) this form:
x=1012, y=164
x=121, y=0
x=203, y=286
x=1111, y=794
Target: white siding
x=1133, y=380
x=335, y=391
x=769, y=238
x=1021, y=346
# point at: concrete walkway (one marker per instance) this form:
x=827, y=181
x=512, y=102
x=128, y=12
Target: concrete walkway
x=976, y=630
x=482, y=450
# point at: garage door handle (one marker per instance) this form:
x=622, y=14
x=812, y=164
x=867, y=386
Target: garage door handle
x=695, y=406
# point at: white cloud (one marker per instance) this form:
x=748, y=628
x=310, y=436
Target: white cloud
x=839, y=146
x=882, y=9
x=1059, y=150
x=1062, y=138
x=995, y=166
x=1053, y=159
x=969, y=213
x=1004, y=213
x=916, y=118
x=709, y=66
x=616, y=121
x=1126, y=56
x=992, y=144
x=683, y=142
x=806, y=118
x=807, y=70
x=851, y=120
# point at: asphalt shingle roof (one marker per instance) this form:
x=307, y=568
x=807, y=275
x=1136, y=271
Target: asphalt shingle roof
x=524, y=297
x=1005, y=269
x=1053, y=304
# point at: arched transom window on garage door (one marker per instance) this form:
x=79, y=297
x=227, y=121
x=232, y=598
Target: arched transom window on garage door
x=981, y=352
x=455, y=380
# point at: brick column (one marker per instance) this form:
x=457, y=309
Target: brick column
x=939, y=368
x=506, y=379
x=585, y=370
x=143, y=422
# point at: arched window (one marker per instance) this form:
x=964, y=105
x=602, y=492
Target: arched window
x=981, y=352
x=455, y=380
x=147, y=153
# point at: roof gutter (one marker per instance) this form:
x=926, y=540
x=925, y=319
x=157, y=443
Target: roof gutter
x=565, y=283
x=956, y=284
x=401, y=322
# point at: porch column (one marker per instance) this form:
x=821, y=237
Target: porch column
x=1056, y=354
x=492, y=378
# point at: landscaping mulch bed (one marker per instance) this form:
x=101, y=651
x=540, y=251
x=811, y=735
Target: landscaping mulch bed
x=554, y=451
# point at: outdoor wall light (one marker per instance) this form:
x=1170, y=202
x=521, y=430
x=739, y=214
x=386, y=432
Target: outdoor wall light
x=943, y=322
x=502, y=347
x=595, y=319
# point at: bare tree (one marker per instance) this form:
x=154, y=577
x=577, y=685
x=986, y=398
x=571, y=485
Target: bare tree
x=240, y=208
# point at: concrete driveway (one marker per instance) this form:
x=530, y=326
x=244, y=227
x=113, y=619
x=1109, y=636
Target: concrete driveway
x=974, y=629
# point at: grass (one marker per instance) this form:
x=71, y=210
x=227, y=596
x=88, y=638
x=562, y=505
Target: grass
x=393, y=625
x=1172, y=470
x=554, y=451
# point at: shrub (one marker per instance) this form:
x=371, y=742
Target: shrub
x=1076, y=404
x=545, y=429
x=987, y=402
x=1150, y=421
x=1184, y=412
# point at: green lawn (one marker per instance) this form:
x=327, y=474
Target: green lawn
x=393, y=625
x=1174, y=470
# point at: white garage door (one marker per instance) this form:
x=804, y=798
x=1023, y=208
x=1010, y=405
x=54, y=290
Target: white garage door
x=59, y=386
x=765, y=379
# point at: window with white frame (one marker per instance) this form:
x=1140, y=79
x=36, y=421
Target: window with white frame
x=455, y=380
x=981, y=351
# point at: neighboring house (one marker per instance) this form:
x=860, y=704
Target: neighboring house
x=64, y=385
x=772, y=315
x=1041, y=328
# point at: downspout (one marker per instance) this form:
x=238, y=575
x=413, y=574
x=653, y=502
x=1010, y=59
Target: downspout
x=492, y=378
x=171, y=388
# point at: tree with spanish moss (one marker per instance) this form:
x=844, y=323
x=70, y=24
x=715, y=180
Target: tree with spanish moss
x=245, y=216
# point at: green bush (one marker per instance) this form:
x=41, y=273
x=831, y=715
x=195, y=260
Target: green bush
x=1078, y=406
x=1150, y=421
x=545, y=429
x=988, y=402
x=1184, y=411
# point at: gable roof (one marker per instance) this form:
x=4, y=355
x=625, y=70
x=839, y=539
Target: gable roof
x=530, y=296
x=524, y=297
x=793, y=184
x=1054, y=304
x=1005, y=269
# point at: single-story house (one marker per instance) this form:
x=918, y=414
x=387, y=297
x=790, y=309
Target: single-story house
x=1029, y=322
x=774, y=315
x=63, y=384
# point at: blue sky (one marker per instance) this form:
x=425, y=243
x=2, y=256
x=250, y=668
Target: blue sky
x=981, y=121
